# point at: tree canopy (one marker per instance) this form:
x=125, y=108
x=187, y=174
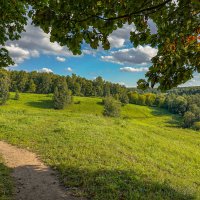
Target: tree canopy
x=71, y=23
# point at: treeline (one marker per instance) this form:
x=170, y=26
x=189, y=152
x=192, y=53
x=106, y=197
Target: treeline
x=44, y=83
x=65, y=87
x=187, y=106
x=185, y=90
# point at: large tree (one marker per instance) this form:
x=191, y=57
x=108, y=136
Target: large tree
x=73, y=22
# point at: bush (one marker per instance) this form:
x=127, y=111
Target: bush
x=196, y=126
x=16, y=97
x=112, y=108
x=4, y=87
x=62, y=96
x=188, y=119
x=124, y=98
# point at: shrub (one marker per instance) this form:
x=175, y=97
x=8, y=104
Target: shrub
x=112, y=108
x=196, y=126
x=62, y=96
x=4, y=87
x=124, y=98
x=16, y=97
x=141, y=99
x=188, y=119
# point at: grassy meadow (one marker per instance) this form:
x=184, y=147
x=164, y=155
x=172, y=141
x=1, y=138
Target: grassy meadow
x=144, y=154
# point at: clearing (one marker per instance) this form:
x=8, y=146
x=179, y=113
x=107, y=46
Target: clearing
x=145, y=154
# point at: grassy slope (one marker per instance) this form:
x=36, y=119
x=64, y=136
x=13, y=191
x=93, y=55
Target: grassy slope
x=143, y=155
x=5, y=182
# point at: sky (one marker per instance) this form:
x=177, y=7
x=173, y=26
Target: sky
x=122, y=64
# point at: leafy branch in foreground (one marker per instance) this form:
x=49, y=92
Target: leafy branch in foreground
x=70, y=23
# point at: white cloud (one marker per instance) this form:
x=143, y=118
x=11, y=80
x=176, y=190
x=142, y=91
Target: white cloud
x=122, y=83
x=118, y=37
x=133, y=69
x=33, y=43
x=140, y=55
x=69, y=69
x=45, y=70
x=193, y=82
x=60, y=59
x=19, y=54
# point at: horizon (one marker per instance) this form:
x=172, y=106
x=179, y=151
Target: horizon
x=122, y=64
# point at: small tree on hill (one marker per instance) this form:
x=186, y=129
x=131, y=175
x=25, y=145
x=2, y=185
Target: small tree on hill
x=4, y=87
x=16, y=97
x=31, y=86
x=188, y=119
x=62, y=96
x=112, y=108
x=124, y=98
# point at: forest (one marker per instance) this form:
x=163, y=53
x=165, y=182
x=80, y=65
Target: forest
x=182, y=101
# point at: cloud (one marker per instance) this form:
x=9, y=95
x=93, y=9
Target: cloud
x=193, y=82
x=122, y=83
x=33, y=43
x=69, y=69
x=132, y=69
x=60, y=59
x=118, y=37
x=140, y=55
x=19, y=54
x=45, y=70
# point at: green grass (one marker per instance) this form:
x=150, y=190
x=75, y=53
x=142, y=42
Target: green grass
x=145, y=154
x=5, y=182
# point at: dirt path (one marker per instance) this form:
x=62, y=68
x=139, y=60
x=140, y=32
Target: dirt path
x=33, y=180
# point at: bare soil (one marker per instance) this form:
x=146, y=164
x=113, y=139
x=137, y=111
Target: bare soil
x=32, y=179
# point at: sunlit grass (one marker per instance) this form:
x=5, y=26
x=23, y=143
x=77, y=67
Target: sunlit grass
x=142, y=155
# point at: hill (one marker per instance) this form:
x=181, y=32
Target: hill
x=142, y=155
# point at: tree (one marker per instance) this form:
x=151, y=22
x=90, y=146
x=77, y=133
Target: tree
x=72, y=22
x=16, y=97
x=4, y=87
x=188, y=119
x=31, y=87
x=62, y=96
x=133, y=97
x=112, y=108
x=124, y=98
x=141, y=99
x=150, y=99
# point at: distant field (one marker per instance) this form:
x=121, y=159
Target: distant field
x=142, y=155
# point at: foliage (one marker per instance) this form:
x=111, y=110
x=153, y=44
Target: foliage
x=141, y=155
x=4, y=87
x=44, y=83
x=188, y=106
x=72, y=22
x=111, y=107
x=196, y=126
x=62, y=96
x=16, y=97
x=189, y=119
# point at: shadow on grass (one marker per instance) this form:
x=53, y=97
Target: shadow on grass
x=175, y=120
x=5, y=182
x=45, y=104
x=100, y=103
x=95, y=184
x=118, y=184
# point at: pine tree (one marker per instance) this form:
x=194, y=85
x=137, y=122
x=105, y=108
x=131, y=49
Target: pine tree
x=62, y=96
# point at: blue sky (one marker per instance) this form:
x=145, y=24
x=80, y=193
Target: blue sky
x=121, y=64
